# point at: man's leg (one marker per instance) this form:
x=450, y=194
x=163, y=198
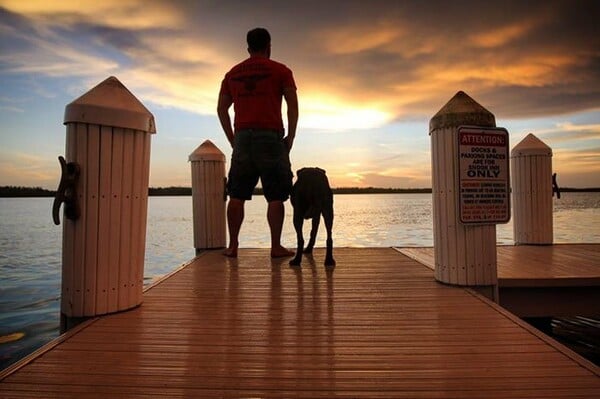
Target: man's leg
x=275, y=216
x=235, y=216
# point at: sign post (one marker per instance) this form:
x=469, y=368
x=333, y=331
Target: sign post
x=466, y=142
x=483, y=178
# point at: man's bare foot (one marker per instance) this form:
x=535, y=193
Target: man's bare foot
x=280, y=252
x=230, y=252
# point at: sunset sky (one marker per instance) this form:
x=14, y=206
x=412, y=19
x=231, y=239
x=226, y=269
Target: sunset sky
x=370, y=76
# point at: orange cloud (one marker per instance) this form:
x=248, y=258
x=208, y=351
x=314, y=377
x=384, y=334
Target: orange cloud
x=577, y=168
x=365, y=74
x=131, y=14
x=16, y=168
x=499, y=36
x=354, y=39
x=536, y=70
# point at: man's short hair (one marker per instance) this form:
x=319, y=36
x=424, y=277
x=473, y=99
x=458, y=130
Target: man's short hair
x=258, y=39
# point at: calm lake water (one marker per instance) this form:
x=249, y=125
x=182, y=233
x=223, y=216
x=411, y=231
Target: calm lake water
x=30, y=246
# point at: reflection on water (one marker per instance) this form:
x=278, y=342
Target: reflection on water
x=29, y=275
x=30, y=246
x=373, y=221
x=582, y=334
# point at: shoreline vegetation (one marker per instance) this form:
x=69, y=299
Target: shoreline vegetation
x=24, y=192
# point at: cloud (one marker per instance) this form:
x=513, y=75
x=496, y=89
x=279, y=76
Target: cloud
x=10, y=108
x=499, y=37
x=33, y=48
x=409, y=178
x=410, y=68
x=377, y=167
x=115, y=13
x=588, y=158
x=358, y=65
x=16, y=168
x=166, y=68
x=531, y=60
x=344, y=40
x=11, y=105
x=379, y=180
x=577, y=168
x=570, y=132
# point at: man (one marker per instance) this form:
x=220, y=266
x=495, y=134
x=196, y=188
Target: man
x=255, y=87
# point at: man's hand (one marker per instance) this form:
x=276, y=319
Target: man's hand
x=225, y=102
x=289, y=141
x=291, y=98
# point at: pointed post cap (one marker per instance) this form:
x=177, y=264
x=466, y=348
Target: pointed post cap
x=530, y=145
x=462, y=110
x=110, y=103
x=207, y=151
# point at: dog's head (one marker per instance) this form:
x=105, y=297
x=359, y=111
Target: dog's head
x=302, y=171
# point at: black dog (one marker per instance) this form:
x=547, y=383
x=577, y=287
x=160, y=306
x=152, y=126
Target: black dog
x=312, y=197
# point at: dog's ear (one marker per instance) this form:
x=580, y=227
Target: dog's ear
x=301, y=170
x=321, y=170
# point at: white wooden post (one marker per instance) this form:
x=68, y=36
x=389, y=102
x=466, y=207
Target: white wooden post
x=108, y=136
x=531, y=164
x=464, y=254
x=208, y=196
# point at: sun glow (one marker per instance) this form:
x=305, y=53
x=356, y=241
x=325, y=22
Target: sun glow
x=333, y=115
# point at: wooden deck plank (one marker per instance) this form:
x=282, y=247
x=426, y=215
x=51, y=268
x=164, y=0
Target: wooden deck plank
x=542, y=265
x=50, y=391
x=542, y=280
x=377, y=325
x=577, y=262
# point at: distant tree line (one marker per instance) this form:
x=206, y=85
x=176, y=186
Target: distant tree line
x=258, y=191
x=18, y=191
x=379, y=190
x=169, y=191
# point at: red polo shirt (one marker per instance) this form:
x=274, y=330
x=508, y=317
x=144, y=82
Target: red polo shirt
x=256, y=87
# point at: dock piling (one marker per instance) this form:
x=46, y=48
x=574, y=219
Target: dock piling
x=208, y=196
x=531, y=165
x=108, y=137
x=465, y=254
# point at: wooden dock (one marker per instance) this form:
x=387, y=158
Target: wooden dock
x=543, y=280
x=376, y=326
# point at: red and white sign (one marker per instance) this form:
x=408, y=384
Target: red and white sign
x=483, y=178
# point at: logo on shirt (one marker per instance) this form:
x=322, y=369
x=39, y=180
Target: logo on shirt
x=250, y=81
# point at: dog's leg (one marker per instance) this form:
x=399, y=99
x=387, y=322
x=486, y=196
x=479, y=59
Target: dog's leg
x=328, y=216
x=298, y=222
x=313, y=234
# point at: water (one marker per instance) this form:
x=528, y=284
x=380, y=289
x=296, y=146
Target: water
x=29, y=275
x=30, y=246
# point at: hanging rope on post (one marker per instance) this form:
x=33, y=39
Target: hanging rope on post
x=555, y=188
x=66, y=191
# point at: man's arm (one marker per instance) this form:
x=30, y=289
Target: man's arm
x=291, y=99
x=223, y=105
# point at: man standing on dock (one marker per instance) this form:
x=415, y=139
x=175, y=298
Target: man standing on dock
x=255, y=87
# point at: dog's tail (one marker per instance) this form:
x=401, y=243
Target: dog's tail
x=312, y=212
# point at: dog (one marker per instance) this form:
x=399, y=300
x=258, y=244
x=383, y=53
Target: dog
x=312, y=197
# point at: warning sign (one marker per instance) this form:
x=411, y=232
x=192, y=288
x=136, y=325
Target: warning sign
x=484, y=196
